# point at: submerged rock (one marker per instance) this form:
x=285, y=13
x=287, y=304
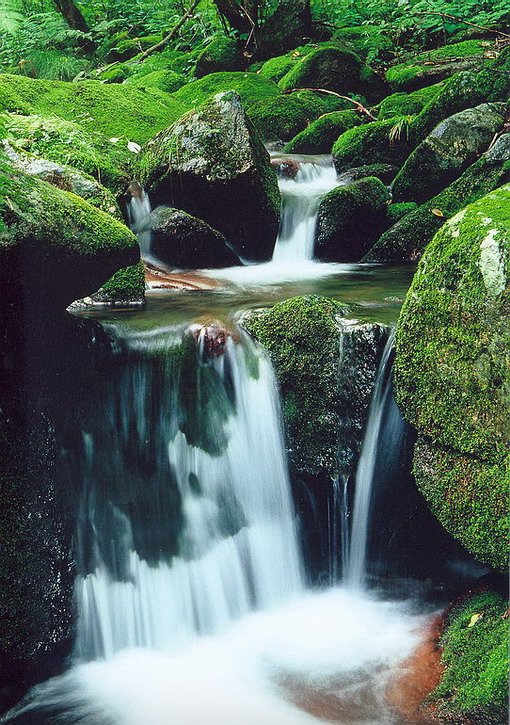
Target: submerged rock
x=452, y=375
x=447, y=151
x=349, y=220
x=183, y=241
x=212, y=165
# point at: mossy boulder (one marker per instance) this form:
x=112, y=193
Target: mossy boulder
x=221, y=54
x=249, y=86
x=349, y=219
x=212, y=165
x=165, y=80
x=371, y=143
x=286, y=28
x=332, y=69
x=87, y=124
x=408, y=237
x=452, y=375
x=320, y=135
x=325, y=397
x=407, y=104
x=281, y=118
x=466, y=90
x=56, y=247
x=275, y=68
x=474, y=642
x=398, y=211
x=436, y=65
x=447, y=151
x=183, y=241
x=385, y=172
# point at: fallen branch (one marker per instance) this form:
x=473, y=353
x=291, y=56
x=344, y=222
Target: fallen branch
x=189, y=12
x=473, y=25
x=359, y=107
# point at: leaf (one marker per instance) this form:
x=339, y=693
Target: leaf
x=474, y=619
x=113, y=140
x=437, y=212
x=134, y=147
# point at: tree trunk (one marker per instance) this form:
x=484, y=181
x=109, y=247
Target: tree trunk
x=238, y=16
x=72, y=15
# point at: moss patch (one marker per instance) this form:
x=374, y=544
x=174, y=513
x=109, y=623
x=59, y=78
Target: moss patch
x=221, y=54
x=166, y=80
x=406, y=104
x=370, y=143
x=474, y=686
x=320, y=135
x=250, y=87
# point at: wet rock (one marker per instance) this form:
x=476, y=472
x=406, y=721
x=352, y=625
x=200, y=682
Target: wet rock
x=384, y=172
x=213, y=166
x=452, y=377
x=183, y=241
x=350, y=218
x=447, y=151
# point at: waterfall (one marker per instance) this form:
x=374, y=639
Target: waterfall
x=186, y=519
x=301, y=192
x=366, y=473
x=138, y=207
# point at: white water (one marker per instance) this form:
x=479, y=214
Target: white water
x=366, y=470
x=301, y=197
x=138, y=208
x=237, y=543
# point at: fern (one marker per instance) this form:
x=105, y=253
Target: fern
x=10, y=16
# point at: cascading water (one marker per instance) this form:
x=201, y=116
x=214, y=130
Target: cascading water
x=356, y=569
x=302, y=191
x=194, y=527
x=138, y=208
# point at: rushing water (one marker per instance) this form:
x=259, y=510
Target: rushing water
x=301, y=196
x=138, y=208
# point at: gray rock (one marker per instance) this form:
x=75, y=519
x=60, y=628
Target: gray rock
x=212, y=165
x=447, y=151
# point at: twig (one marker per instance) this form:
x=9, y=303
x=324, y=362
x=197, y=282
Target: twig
x=171, y=34
x=473, y=25
x=359, y=107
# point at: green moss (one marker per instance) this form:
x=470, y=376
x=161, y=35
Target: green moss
x=452, y=374
x=221, y=54
x=250, y=86
x=397, y=211
x=407, y=104
x=129, y=47
x=474, y=686
x=369, y=144
x=411, y=234
x=422, y=69
x=368, y=41
x=166, y=80
x=275, y=68
x=307, y=373
x=320, y=135
x=127, y=286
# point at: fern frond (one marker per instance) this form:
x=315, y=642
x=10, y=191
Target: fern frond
x=10, y=15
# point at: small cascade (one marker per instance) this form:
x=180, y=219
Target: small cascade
x=303, y=181
x=356, y=569
x=138, y=207
x=186, y=520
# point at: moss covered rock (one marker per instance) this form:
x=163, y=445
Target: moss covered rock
x=249, y=86
x=436, y=65
x=180, y=240
x=447, y=151
x=385, y=172
x=349, y=219
x=406, y=104
x=406, y=240
x=213, y=165
x=474, y=684
x=371, y=143
x=320, y=135
x=286, y=28
x=395, y=212
x=166, y=80
x=332, y=69
x=452, y=375
x=221, y=54
x=369, y=42
x=56, y=247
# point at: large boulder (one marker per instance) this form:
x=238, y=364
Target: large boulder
x=452, y=375
x=409, y=235
x=212, y=165
x=447, y=151
x=350, y=218
x=55, y=247
x=180, y=240
x=221, y=54
x=249, y=86
x=436, y=65
x=320, y=135
x=378, y=142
